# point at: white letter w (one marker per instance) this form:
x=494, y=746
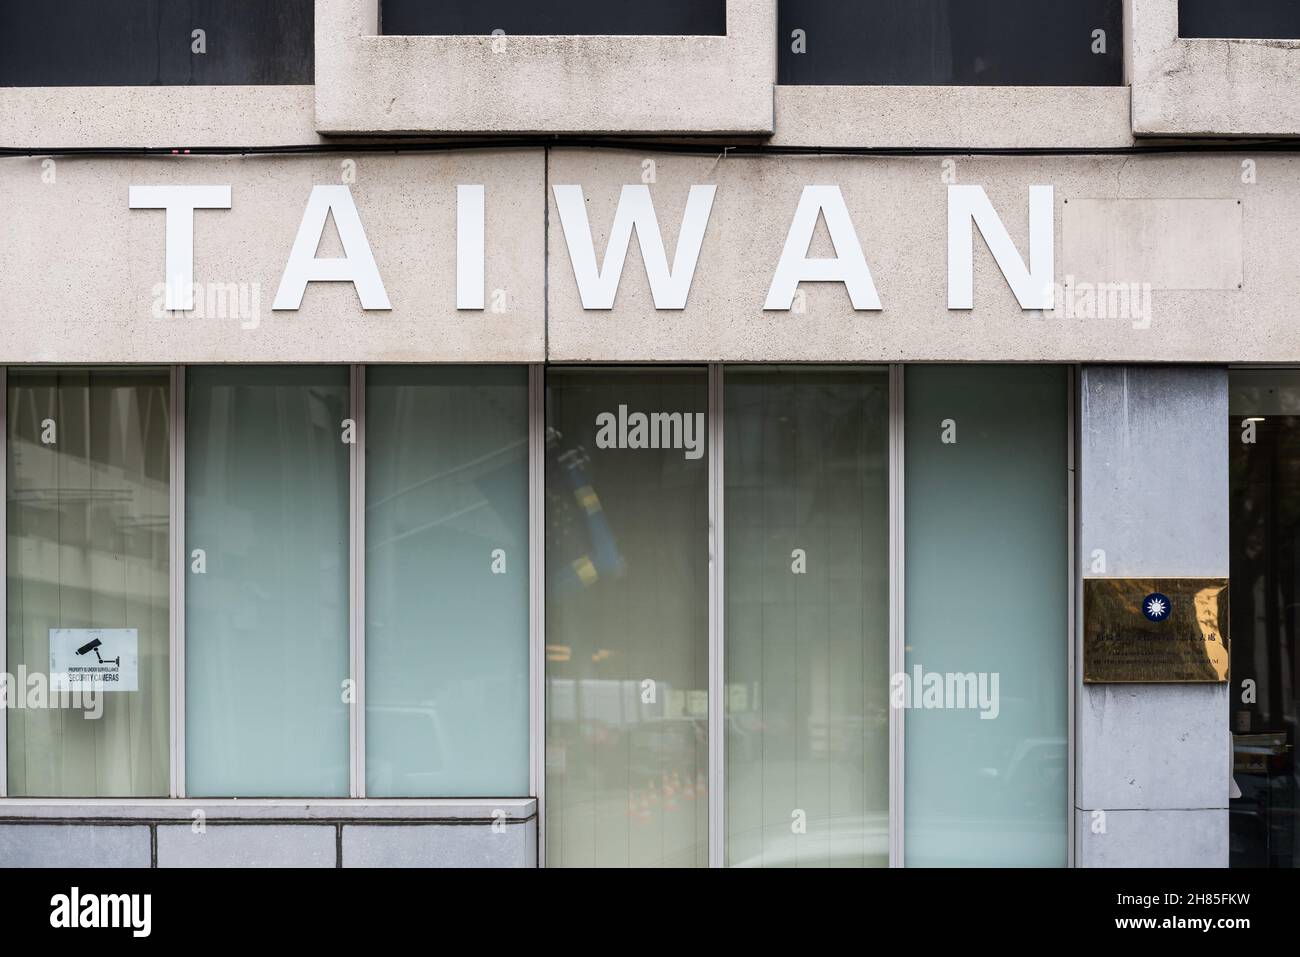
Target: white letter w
x=635, y=211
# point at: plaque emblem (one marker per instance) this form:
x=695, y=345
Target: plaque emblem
x=1156, y=606
x=1144, y=630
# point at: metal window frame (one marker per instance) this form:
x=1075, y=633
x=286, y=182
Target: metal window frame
x=897, y=630
x=537, y=599
x=357, y=583
x=717, y=623
x=897, y=623
x=176, y=577
x=4, y=580
x=1074, y=586
x=537, y=612
x=716, y=838
x=175, y=582
x=178, y=567
x=717, y=619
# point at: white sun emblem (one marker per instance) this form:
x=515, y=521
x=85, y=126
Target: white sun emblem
x=1155, y=608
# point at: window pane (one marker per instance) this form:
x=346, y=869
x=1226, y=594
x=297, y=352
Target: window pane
x=151, y=42
x=807, y=617
x=1264, y=550
x=1247, y=19
x=88, y=492
x=554, y=18
x=266, y=644
x=986, y=616
x=446, y=581
x=950, y=43
x=627, y=586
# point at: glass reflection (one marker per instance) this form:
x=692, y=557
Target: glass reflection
x=807, y=617
x=627, y=662
x=1264, y=534
x=88, y=548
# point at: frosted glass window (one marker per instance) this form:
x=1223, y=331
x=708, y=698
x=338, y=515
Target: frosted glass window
x=87, y=498
x=986, y=568
x=627, y=589
x=446, y=581
x=807, y=616
x=266, y=618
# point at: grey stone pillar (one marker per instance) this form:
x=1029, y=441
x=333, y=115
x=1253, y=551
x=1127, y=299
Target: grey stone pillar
x=1152, y=761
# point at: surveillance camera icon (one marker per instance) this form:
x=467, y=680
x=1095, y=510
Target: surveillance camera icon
x=94, y=645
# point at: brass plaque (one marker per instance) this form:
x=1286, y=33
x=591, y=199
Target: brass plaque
x=1155, y=630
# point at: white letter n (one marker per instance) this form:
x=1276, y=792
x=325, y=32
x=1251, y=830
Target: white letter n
x=1033, y=286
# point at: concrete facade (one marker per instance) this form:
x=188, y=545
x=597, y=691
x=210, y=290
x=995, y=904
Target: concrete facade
x=367, y=83
x=157, y=117
x=114, y=257
x=1215, y=87
x=1197, y=228
x=941, y=117
x=899, y=207
x=1197, y=255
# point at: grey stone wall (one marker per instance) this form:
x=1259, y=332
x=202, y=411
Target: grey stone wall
x=1152, y=761
x=269, y=834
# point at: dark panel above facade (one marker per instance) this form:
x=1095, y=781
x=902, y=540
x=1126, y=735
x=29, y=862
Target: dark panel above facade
x=154, y=43
x=951, y=43
x=554, y=17
x=1240, y=19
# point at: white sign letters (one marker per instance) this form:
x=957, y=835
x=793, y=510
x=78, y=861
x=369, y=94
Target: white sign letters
x=969, y=209
x=180, y=203
x=1033, y=288
x=357, y=265
x=849, y=265
x=635, y=212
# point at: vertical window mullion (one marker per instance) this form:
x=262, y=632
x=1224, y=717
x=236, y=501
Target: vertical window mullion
x=1073, y=582
x=717, y=634
x=537, y=596
x=4, y=578
x=179, y=568
x=357, y=586
x=896, y=629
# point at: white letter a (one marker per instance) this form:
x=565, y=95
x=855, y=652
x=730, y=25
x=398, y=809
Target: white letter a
x=849, y=265
x=357, y=265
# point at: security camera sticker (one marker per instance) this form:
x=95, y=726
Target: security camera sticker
x=106, y=659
